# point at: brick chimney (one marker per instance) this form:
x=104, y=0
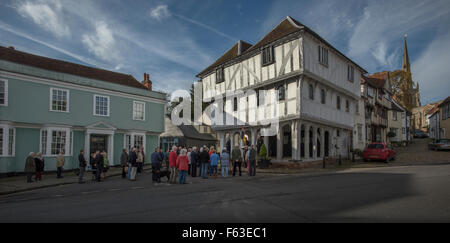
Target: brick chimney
x=147, y=83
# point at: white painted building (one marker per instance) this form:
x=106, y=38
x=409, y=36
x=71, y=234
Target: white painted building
x=318, y=87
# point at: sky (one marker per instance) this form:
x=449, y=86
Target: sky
x=174, y=40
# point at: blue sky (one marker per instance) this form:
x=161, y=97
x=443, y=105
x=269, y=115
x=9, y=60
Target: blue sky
x=176, y=39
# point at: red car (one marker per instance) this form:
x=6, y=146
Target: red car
x=378, y=151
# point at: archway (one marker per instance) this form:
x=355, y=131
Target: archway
x=327, y=144
x=318, y=142
x=311, y=144
x=302, y=142
x=287, y=141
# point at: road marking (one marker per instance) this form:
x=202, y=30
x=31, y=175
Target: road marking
x=138, y=187
x=89, y=192
x=114, y=189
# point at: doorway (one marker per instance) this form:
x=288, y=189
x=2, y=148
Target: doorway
x=98, y=142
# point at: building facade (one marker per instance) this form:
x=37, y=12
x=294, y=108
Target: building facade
x=398, y=123
x=48, y=106
x=318, y=91
x=444, y=124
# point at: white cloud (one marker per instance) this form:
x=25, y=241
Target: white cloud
x=86, y=60
x=431, y=70
x=46, y=14
x=160, y=12
x=383, y=23
x=102, y=42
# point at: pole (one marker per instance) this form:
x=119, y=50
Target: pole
x=340, y=160
x=324, y=161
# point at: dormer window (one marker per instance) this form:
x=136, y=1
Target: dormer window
x=219, y=75
x=268, y=55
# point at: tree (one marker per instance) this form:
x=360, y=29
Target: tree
x=403, y=88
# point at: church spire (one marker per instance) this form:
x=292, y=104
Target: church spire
x=405, y=65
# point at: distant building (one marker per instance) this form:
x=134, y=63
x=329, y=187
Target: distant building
x=49, y=105
x=444, y=123
x=377, y=91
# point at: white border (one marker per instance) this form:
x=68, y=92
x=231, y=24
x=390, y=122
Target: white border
x=93, y=105
x=50, y=130
x=6, y=92
x=68, y=100
x=140, y=102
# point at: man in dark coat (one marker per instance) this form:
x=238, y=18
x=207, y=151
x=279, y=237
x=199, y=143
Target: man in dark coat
x=252, y=160
x=204, y=161
x=124, y=162
x=194, y=162
x=156, y=165
x=83, y=164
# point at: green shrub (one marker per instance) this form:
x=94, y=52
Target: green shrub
x=263, y=152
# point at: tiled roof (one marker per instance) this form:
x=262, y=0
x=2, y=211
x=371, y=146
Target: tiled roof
x=377, y=79
x=285, y=28
x=446, y=101
x=229, y=55
x=11, y=55
x=281, y=30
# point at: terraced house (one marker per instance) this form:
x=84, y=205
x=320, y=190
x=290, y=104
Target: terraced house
x=49, y=105
x=318, y=90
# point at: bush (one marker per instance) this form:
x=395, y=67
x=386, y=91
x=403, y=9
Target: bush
x=263, y=152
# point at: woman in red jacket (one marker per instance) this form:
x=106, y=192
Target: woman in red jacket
x=173, y=165
x=183, y=166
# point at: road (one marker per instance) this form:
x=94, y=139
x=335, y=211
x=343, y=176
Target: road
x=394, y=194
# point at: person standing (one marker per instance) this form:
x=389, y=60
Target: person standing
x=99, y=162
x=252, y=161
x=224, y=162
x=166, y=158
x=140, y=161
x=124, y=163
x=39, y=161
x=182, y=166
x=134, y=164
x=237, y=160
x=83, y=163
x=194, y=162
x=30, y=167
x=189, y=158
x=156, y=160
x=214, y=161
x=204, y=161
x=60, y=161
x=143, y=158
x=173, y=165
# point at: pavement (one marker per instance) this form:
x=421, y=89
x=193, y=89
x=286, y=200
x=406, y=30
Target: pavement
x=416, y=153
x=387, y=194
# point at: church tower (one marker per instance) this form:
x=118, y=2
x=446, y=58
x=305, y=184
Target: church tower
x=411, y=88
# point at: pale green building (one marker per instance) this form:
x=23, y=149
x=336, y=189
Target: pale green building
x=48, y=105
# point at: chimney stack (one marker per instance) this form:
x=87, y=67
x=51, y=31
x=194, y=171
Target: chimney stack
x=147, y=83
x=11, y=47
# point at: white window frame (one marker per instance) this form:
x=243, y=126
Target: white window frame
x=68, y=149
x=109, y=105
x=68, y=99
x=132, y=139
x=143, y=116
x=6, y=92
x=5, y=145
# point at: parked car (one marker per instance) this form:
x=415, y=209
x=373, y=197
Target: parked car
x=420, y=134
x=439, y=144
x=378, y=151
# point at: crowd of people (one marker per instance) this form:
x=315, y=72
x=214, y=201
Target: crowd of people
x=177, y=164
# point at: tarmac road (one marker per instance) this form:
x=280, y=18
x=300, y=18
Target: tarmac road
x=393, y=194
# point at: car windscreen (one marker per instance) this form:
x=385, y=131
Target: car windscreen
x=375, y=146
